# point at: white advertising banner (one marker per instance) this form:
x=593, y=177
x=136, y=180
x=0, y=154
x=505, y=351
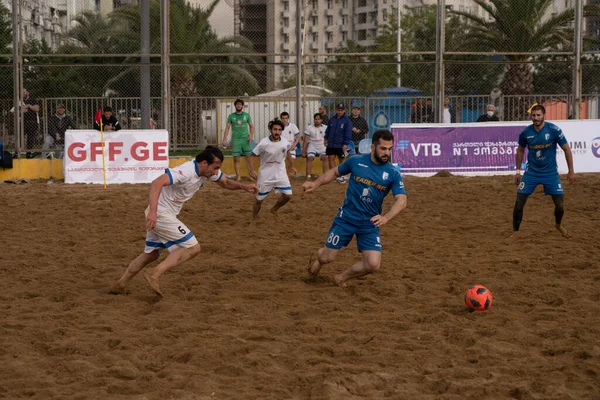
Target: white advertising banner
x=584, y=140
x=130, y=156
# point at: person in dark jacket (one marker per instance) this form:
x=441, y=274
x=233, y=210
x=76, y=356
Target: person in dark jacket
x=57, y=125
x=324, y=115
x=109, y=121
x=338, y=135
x=360, y=127
x=489, y=116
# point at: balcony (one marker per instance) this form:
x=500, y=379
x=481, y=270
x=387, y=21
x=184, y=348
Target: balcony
x=314, y=45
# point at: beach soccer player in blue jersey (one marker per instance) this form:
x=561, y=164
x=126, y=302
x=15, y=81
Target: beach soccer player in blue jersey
x=373, y=176
x=541, y=138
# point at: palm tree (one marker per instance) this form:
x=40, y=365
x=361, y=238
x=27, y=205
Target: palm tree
x=192, y=35
x=519, y=26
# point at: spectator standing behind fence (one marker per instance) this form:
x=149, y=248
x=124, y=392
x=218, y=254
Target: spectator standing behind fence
x=337, y=136
x=449, y=113
x=109, y=121
x=360, y=127
x=416, y=112
x=31, y=121
x=428, y=114
x=324, y=115
x=314, y=145
x=291, y=133
x=57, y=125
x=242, y=134
x=489, y=116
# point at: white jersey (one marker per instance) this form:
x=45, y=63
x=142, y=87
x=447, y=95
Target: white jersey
x=272, y=158
x=184, y=183
x=316, y=134
x=289, y=133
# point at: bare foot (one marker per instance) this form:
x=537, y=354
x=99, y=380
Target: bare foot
x=563, y=231
x=238, y=178
x=153, y=282
x=514, y=235
x=117, y=288
x=339, y=281
x=314, y=266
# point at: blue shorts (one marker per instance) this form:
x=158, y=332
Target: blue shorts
x=530, y=181
x=342, y=231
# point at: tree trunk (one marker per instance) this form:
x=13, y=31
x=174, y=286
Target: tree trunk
x=517, y=86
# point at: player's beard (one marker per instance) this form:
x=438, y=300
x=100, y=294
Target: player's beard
x=381, y=160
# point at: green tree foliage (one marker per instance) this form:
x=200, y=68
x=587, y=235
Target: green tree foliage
x=519, y=26
x=200, y=74
x=6, y=72
x=418, y=34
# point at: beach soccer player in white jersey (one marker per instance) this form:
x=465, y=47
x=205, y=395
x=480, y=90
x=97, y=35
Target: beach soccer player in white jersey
x=372, y=178
x=272, y=151
x=291, y=133
x=314, y=145
x=164, y=230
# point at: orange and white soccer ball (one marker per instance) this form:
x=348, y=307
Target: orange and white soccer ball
x=478, y=298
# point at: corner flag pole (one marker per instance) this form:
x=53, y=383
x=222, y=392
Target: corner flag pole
x=103, y=163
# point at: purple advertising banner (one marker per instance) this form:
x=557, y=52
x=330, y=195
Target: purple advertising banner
x=462, y=149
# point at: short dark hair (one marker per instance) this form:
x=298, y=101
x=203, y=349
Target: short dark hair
x=382, y=134
x=209, y=154
x=107, y=108
x=276, y=122
x=284, y=114
x=318, y=115
x=539, y=107
x=238, y=101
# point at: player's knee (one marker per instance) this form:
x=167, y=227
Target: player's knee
x=194, y=250
x=154, y=255
x=520, y=202
x=325, y=257
x=372, y=266
x=559, y=202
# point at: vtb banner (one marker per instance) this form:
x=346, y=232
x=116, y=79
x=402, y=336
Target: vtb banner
x=130, y=156
x=485, y=148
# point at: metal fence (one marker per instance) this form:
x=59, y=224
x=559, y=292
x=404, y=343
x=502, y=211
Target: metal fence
x=384, y=56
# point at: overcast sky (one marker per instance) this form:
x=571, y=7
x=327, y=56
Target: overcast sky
x=221, y=19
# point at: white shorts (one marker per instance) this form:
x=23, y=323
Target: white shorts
x=315, y=149
x=169, y=233
x=281, y=185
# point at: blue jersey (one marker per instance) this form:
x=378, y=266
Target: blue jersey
x=368, y=186
x=541, y=157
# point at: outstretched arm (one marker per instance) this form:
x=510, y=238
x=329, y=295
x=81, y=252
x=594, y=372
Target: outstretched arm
x=234, y=185
x=569, y=157
x=518, y=162
x=155, y=189
x=399, y=205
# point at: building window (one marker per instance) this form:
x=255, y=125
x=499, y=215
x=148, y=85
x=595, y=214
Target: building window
x=344, y=20
x=286, y=38
x=286, y=21
x=329, y=36
x=384, y=14
x=344, y=36
x=286, y=54
x=329, y=20
x=344, y=3
x=315, y=21
x=315, y=4
x=329, y=4
x=286, y=6
x=362, y=35
x=362, y=18
x=315, y=37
